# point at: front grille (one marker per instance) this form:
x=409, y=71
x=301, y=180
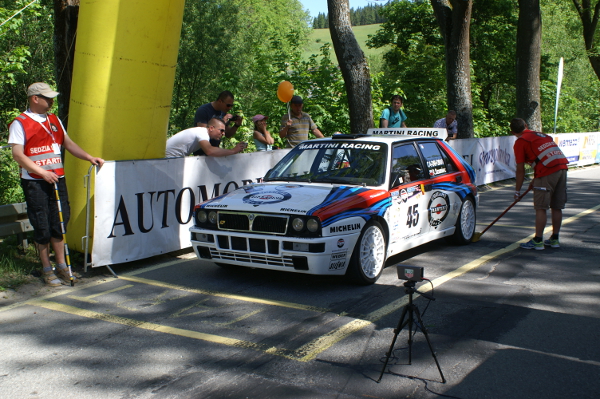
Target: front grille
x=252, y=223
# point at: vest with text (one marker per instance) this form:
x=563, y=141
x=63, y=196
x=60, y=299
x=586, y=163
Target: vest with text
x=39, y=138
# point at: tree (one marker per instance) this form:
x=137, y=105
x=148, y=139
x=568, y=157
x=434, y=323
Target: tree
x=529, y=38
x=66, y=13
x=590, y=23
x=454, y=18
x=353, y=64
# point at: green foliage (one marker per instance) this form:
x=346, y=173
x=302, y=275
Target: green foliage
x=416, y=63
x=26, y=55
x=235, y=45
x=10, y=186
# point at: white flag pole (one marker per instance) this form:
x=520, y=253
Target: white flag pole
x=558, y=85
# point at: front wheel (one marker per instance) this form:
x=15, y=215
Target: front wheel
x=465, y=224
x=368, y=257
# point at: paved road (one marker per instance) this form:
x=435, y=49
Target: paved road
x=506, y=323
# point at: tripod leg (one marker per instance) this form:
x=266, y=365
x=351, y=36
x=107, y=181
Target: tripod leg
x=411, y=322
x=396, y=332
x=424, y=329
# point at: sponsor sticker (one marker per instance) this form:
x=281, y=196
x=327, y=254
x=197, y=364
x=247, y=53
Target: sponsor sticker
x=340, y=243
x=439, y=207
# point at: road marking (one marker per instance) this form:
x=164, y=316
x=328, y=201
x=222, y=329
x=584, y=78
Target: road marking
x=90, y=314
x=244, y=298
x=90, y=299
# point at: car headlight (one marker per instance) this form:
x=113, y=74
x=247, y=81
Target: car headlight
x=312, y=225
x=298, y=224
x=212, y=217
x=202, y=216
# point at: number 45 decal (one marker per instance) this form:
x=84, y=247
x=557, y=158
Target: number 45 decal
x=412, y=218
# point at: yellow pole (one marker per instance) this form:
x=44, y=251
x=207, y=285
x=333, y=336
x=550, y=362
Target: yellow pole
x=124, y=70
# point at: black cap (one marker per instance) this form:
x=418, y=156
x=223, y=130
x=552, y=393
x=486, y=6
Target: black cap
x=297, y=100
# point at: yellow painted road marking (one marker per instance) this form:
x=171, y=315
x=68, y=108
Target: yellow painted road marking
x=90, y=298
x=90, y=314
x=244, y=298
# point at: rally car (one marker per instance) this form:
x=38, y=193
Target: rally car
x=343, y=205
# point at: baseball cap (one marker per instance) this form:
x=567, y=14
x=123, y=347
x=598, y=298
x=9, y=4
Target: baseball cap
x=42, y=89
x=297, y=100
x=259, y=117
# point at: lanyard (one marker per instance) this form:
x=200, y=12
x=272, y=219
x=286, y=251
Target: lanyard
x=47, y=130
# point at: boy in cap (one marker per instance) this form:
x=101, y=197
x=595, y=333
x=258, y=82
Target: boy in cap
x=295, y=127
x=37, y=139
x=262, y=137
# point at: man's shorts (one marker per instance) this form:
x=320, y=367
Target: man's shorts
x=550, y=191
x=42, y=208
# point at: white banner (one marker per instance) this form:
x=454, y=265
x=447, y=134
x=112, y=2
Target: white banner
x=144, y=207
x=492, y=157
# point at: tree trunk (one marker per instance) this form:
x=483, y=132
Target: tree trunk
x=66, y=13
x=590, y=23
x=353, y=64
x=529, y=40
x=454, y=19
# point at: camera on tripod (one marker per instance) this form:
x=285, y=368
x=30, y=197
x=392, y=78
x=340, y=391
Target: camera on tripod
x=410, y=273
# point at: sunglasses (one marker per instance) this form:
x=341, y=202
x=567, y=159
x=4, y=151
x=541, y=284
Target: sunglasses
x=44, y=97
x=229, y=105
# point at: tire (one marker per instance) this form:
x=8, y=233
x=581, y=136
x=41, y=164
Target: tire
x=465, y=224
x=368, y=257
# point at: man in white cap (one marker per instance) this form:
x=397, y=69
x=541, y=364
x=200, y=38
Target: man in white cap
x=37, y=138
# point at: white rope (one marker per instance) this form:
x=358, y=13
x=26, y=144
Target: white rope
x=18, y=12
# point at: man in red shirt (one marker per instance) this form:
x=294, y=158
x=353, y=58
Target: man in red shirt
x=549, y=183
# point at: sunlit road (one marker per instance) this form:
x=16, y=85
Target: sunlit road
x=506, y=323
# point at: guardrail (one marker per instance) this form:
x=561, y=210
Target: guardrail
x=14, y=220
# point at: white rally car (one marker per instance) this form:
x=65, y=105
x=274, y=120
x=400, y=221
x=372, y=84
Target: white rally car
x=343, y=205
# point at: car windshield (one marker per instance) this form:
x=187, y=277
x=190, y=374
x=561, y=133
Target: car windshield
x=338, y=162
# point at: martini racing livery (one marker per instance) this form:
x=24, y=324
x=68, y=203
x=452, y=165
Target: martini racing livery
x=343, y=205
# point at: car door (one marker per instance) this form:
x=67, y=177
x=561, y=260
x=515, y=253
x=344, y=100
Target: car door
x=443, y=187
x=408, y=212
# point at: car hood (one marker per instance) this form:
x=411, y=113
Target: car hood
x=324, y=201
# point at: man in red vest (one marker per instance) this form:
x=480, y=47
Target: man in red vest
x=37, y=139
x=549, y=179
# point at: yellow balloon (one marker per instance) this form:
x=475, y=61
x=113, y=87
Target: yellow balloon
x=285, y=91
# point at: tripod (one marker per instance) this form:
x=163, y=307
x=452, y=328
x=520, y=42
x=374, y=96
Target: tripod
x=411, y=309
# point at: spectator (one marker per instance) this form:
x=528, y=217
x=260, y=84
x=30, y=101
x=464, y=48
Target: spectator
x=393, y=116
x=38, y=139
x=549, y=180
x=295, y=127
x=219, y=109
x=448, y=123
x=262, y=137
x=201, y=139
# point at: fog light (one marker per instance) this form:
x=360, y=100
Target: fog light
x=300, y=246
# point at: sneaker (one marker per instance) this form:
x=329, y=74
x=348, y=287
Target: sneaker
x=63, y=274
x=533, y=245
x=51, y=279
x=552, y=243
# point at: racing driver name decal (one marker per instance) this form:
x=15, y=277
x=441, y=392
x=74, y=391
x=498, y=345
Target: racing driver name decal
x=439, y=207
